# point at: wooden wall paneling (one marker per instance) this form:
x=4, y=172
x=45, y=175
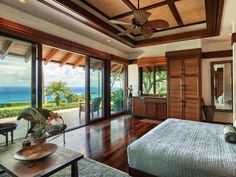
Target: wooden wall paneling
x=214, y=10
x=172, y=38
x=217, y=54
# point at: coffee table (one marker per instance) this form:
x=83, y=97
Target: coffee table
x=45, y=167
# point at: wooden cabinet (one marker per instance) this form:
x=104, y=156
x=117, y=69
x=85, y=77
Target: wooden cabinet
x=138, y=107
x=184, y=91
x=152, y=108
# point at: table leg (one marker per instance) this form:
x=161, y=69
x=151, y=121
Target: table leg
x=74, y=169
x=6, y=138
x=12, y=137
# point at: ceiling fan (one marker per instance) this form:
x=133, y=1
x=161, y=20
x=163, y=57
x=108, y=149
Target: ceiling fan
x=141, y=24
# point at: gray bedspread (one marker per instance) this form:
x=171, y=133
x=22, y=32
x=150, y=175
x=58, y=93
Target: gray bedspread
x=180, y=148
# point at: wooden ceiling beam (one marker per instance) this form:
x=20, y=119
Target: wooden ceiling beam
x=66, y=59
x=79, y=61
x=115, y=68
x=159, y=4
x=214, y=11
x=173, y=38
x=130, y=5
x=89, y=19
x=28, y=55
x=6, y=49
x=49, y=57
x=175, y=12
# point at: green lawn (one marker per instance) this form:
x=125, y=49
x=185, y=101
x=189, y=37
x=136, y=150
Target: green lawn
x=14, y=109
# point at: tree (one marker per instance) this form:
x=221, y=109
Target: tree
x=57, y=89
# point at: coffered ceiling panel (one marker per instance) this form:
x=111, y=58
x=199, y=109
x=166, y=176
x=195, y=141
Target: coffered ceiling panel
x=181, y=14
x=164, y=13
x=110, y=7
x=144, y=3
x=191, y=11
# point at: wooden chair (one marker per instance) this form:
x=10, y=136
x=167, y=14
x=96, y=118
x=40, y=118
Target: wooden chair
x=209, y=111
x=94, y=106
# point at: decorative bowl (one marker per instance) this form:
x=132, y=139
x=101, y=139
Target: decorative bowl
x=35, y=152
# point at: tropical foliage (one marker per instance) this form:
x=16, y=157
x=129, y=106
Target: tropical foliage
x=57, y=90
x=117, y=98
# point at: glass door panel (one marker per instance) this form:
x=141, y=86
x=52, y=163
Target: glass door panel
x=64, y=86
x=96, y=81
x=117, y=87
x=15, y=83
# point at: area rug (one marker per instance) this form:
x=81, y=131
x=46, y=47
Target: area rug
x=89, y=168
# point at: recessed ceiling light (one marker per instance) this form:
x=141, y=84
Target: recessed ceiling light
x=22, y=1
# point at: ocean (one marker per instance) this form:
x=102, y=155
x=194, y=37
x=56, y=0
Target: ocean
x=23, y=94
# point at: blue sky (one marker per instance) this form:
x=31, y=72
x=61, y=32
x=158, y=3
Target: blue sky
x=14, y=72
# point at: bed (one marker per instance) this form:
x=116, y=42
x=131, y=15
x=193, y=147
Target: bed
x=181, y=148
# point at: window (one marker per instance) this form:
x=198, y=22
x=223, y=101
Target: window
x=117, y=87
x=154, y=80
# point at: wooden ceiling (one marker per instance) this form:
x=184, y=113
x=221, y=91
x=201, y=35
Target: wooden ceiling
x=23, y=50
x=178, y=13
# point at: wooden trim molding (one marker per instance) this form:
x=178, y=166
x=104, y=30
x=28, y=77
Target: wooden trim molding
x=172, y=38
x=217, y=54
x=133, y=61
x=20, y=31
x=151, y=61
x=214, y=11
x=119, y=60
x=184, y=54
x=233, y=38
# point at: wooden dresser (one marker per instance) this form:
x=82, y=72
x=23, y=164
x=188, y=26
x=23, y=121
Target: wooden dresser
x=149, y=107
x=184, y=84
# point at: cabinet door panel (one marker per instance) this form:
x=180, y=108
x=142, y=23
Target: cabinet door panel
x=192, y=110
x=138, y=107
x=175, y=109
x=150, y=110
x=191, y=87
x=175, y=88
x=161, y=111
x=175, y=68
x=191, y=66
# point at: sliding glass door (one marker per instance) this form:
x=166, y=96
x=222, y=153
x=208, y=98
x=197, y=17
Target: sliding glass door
x=96, y=88
x=16, y=86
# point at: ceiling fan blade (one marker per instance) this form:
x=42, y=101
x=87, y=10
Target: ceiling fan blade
x=128, y=31
x=158, y=24
x=141, y=16
x=146, y=31
x=119, y=22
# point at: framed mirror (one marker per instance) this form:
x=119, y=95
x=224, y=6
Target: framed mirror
x=221, y=85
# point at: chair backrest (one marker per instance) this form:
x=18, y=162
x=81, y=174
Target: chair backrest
x=209, y=111
x=95, y=104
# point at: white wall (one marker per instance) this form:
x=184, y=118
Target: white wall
x=133, y=78
x=206, y=88
x=234, y=82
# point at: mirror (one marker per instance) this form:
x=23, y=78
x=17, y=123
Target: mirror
x=221, y=85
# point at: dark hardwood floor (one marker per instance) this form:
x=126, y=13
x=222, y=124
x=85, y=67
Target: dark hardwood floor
x=107, y=141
